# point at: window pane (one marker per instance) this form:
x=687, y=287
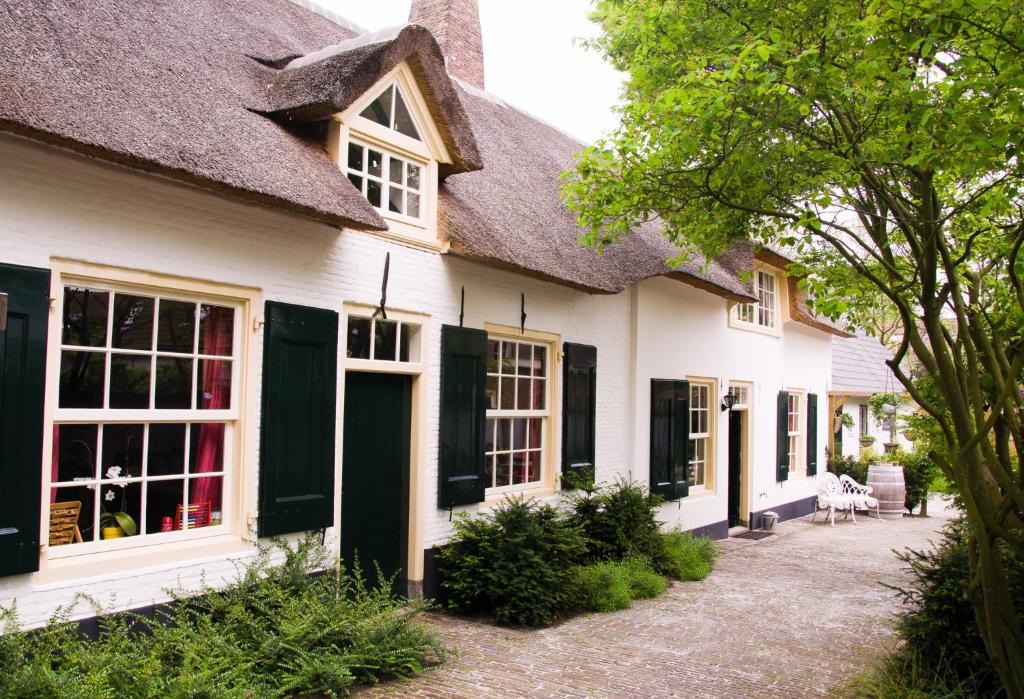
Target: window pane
x=82, y=375
x=508, y=358
x=536, y=425
x=72, y=522
x=163, y=498
x=379, y=110
x=384, y=341
x=177, y=329
x=540, y=355
x=395, y=169
x=489, y=471
x=492, y=392
x=355, y=156
x=166, y=449
x=173, y=383
x=538, y=397
x=216, y=330
x=489, y=435
x=373, y=192
x=519, y=433
x=412, y=175
x=358, y=338
x=412, y=204
x=133, y=322
x=523, y=398
x=213, y=391
x=206, y=447
x=375, y=162
x=204, y=498
x=503, y=469
x=85, y=317
x=519, y=472
x=75, y=446
x=395, y=199
x=410, y=345
x=122, y=451
x=129, y=380
x=403, y=120
x=356, y=181
x=493, y=353
x=532, y=466
x=508, y=393
x=503, y=437
x=524, y=367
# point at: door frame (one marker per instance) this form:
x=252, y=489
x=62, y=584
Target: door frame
x=746, y=445
x=417, y=427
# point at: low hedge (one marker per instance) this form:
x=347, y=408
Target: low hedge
x=276, y=631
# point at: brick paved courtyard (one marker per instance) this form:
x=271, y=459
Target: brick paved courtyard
x=795, y=615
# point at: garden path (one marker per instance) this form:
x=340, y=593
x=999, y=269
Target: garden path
x=795, y=615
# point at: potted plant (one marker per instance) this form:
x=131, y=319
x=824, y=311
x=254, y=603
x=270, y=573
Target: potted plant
x=867, y=440
x=114, y=525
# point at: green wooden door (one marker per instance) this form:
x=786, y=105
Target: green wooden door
x=375, y=474
x=22, y=384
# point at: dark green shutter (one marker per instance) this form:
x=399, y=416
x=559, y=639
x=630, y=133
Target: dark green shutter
x=579, y=410
x=670, y=438
x=463, y=413
x=782, y=438
x=300, y=370
x=22, y=385
x=812, y=434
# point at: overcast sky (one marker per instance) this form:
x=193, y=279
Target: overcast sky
x=530, y=58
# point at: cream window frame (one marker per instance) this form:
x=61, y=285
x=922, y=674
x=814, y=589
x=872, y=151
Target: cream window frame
x=428, y=153
x=551, y=419
x=128, y=552
x=747, y=316
x=708, y=436
x=797, y=463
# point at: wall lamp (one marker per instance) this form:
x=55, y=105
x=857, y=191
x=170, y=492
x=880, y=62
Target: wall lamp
x=728, y=400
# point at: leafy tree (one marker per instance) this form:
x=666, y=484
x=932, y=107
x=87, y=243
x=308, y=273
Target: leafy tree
x=879, y=141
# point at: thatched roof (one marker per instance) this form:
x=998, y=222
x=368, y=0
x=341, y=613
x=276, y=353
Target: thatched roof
x=316, y=86
x=230, y=95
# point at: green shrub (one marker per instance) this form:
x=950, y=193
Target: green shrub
x=608, y=586
x=905, y=675
x=276, y=631
x=602, y=587
x=849, y=465
x=514, y=561
x=918, y=472
x=644, y=581
x=619, y=522
x=690, y=557
x=939, y=627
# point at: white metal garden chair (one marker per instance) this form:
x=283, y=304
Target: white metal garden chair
x=831, y=497
x=860, y=495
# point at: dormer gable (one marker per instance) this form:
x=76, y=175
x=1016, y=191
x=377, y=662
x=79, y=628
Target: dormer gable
x=389, y=147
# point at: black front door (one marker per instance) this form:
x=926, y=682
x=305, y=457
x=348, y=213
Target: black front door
x=375, y=475
x=24, y=307
x=735, y=465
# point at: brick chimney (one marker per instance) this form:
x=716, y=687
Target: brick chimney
x=456, y=26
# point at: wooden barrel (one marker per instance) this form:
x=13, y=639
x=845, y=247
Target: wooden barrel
x=886, y=481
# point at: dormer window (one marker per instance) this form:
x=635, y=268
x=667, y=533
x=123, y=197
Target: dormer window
x=389, y=110
x=763, y=315
x=389, y=183
x=388, y=147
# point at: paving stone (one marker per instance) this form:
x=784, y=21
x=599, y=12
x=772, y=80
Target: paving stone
x=793, y=615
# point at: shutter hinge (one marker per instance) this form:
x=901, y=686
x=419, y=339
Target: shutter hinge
x=257, y=323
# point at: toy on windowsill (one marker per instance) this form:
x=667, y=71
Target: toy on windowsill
x=198, y=516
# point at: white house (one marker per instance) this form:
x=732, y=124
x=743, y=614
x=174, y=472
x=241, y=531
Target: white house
x=859, y=371
x=266, y=273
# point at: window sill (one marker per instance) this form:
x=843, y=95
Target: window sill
x=533, y=492
x=418, y=243
x=775, y=331
x=58, y=572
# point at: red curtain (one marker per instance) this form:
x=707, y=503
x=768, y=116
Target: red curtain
x=215, y=393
